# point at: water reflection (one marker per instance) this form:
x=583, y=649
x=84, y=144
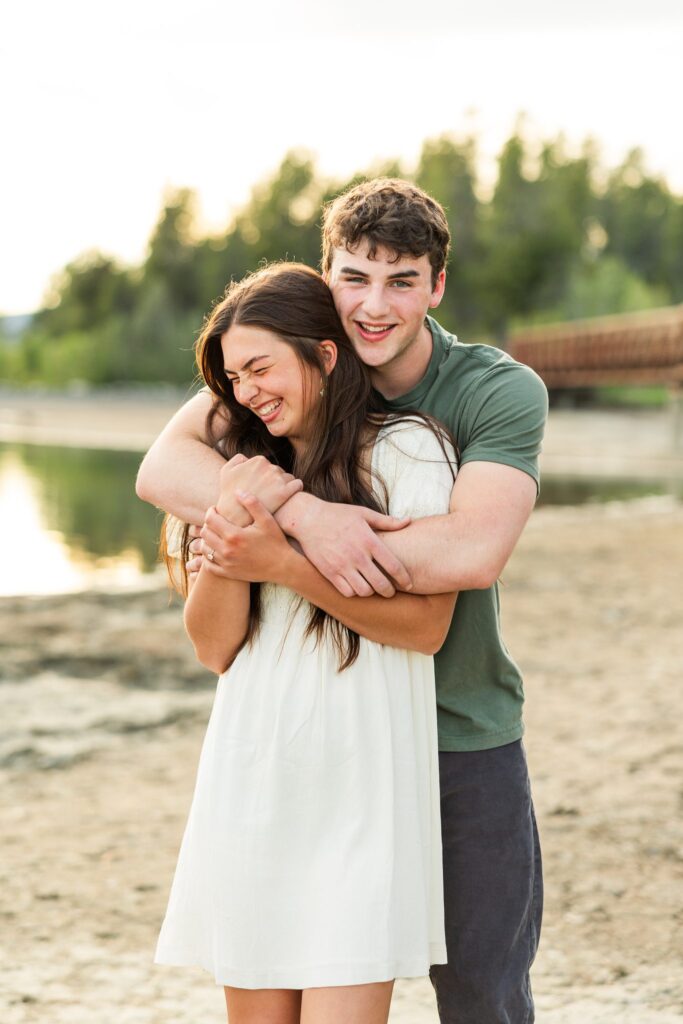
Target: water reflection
x=72, y=518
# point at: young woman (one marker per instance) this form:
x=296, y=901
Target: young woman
x=310, y=874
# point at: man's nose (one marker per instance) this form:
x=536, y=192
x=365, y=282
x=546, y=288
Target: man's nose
x=376, y=303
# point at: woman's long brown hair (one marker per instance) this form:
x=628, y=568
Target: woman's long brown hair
x=294, y=303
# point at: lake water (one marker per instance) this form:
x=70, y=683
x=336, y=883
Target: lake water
x=70, y=517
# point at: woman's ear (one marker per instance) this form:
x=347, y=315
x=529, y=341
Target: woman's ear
x=329, y=354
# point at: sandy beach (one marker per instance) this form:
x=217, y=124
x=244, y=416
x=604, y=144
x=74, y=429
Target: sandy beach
x=104, y=712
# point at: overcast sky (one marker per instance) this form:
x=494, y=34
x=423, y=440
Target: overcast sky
x=104, y=107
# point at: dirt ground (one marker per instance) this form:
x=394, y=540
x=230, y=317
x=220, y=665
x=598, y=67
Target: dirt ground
x=103, y=716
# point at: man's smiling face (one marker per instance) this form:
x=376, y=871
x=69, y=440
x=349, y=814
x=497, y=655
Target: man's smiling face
x=382, y=303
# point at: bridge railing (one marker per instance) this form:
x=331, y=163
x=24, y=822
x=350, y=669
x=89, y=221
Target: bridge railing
x=632, y=348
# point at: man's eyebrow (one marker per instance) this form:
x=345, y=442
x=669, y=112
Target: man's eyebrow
x=249, y=362
x=351, y=270
x=391, y=277
x=403, y=273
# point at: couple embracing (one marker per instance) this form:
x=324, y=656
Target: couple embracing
x=362, y=808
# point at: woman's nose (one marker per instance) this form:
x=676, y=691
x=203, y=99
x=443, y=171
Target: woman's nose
x=246, y=392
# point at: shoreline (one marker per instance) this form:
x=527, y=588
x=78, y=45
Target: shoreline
x=637, y=443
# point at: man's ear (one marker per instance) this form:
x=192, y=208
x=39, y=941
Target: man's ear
x=329, y=354
x=438, y=290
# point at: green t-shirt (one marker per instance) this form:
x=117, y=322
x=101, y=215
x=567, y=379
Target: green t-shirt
x=496, y=409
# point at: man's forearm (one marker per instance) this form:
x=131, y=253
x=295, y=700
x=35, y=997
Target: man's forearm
x=180, y=472
x=468, y=548
x=410, y=621
x=441, y=553
x=444, y=553
x=185, y=486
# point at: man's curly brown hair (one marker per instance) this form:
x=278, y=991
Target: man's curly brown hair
x=391, y=214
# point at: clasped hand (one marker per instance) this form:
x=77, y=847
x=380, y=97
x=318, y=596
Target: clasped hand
x=256, y=476
x=239, y=538
x=339, y=540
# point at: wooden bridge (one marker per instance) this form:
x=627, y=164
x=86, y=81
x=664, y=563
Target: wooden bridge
x=633, y=348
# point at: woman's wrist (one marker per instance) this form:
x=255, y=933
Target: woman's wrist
x=287, y=571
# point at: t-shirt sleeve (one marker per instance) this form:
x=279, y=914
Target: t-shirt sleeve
x=505, y=419
x=414, y=468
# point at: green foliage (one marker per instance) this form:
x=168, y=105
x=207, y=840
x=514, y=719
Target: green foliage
x=644, y=225
x=170, y=261
x=85, y=294
x=601, y=287
x=447, y=171
x=280, y=220
x=534, y=231
x=551, y=243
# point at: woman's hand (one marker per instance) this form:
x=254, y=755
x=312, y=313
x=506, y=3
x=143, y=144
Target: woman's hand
x=256, y=476
x=258, y=553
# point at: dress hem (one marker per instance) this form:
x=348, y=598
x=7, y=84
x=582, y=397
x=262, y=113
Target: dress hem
x=318, y=976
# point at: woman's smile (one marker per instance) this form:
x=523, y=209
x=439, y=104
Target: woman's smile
x=269, y=410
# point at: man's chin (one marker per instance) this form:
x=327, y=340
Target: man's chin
x=374, y=353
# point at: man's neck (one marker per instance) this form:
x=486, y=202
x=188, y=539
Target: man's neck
x=402, y=374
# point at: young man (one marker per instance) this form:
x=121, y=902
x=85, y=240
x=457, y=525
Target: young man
x=385, y=246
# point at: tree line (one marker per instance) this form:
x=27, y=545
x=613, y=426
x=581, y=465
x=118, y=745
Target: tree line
x=556, y=237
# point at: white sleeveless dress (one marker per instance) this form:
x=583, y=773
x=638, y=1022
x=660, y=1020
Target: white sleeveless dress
x=312, y=853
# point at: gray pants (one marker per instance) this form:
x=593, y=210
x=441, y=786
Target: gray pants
x=493, y=888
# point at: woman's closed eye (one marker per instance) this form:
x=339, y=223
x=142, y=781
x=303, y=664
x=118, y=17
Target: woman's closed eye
x=254, y=373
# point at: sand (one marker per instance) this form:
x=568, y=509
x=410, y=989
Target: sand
x=104, y=712
x=103, y=716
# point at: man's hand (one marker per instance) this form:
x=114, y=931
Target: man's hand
x=468, y=548
x=257, y=553
x=256, y=476
x=339, y=541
